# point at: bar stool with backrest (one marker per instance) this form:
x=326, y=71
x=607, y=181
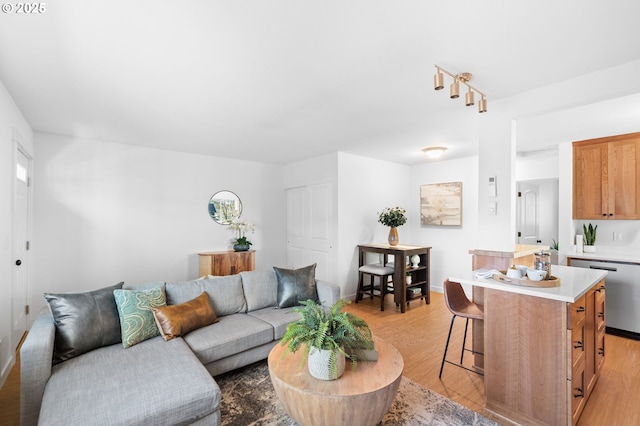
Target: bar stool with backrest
x=380, y=270
x=460, y=306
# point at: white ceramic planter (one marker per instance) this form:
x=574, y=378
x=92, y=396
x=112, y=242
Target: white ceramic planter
x=589, y=249
x=319, y=364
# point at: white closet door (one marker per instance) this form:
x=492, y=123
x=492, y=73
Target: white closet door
x=309, y=228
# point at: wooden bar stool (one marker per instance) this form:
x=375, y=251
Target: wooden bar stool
x=382, y=273
x=460, y=306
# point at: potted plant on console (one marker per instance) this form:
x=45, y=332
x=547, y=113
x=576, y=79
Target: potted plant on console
x=241, y=227
x=393, y=217
x=328, y=338
x=589, y=238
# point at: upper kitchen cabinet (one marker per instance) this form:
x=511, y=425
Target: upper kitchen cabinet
x=606, y=174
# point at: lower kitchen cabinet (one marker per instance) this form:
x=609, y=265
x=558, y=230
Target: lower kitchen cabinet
x=586, y=320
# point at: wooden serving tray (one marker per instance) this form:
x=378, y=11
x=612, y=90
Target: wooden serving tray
x=526, y=282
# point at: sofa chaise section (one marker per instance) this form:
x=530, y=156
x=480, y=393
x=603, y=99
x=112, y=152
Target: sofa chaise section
x=153, y=382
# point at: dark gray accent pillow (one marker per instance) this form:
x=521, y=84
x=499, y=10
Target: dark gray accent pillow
x=84, y=321
x=296, y=285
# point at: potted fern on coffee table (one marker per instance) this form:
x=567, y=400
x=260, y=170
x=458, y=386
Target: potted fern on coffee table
x=328, y=338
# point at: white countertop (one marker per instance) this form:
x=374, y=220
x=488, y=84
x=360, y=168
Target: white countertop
x=608, y=256
x=574, y=282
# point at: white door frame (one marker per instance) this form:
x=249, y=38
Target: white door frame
x=22, y=253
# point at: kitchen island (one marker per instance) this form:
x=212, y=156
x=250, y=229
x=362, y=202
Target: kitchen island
x=543, y=347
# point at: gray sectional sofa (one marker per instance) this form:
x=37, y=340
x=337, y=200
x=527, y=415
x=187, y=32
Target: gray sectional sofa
x=158, y=382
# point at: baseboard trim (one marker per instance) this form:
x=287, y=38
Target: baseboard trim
x=623, y=333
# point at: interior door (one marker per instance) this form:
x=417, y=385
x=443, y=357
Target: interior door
x=309, y=228
x=528, y=223
x=20, y=240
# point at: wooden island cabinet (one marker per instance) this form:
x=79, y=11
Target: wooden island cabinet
x=606, y=178
x=543, y=347
x=587, y=346
x=226, y=262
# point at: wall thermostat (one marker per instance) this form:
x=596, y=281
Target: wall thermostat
x=492, y=186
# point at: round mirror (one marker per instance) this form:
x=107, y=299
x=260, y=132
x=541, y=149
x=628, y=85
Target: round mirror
x=224, y=206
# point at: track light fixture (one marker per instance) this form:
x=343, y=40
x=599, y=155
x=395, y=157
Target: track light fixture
x=455, y=89
x=464, y=78
x=482, y=105
x=438, y=81
x=468, y=98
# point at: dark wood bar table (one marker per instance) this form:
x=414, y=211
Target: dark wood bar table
x=402, y=264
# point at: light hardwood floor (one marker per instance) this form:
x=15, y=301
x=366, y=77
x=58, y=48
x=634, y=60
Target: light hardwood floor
x=420, y=335
x=10, y=398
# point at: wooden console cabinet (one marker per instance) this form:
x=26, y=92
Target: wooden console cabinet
x=226, y=262
x=606, y=176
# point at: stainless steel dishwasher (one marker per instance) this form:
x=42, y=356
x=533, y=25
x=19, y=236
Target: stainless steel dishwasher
x=622, y=303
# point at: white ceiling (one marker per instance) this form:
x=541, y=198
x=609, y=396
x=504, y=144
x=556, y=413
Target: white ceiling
x=282, y=80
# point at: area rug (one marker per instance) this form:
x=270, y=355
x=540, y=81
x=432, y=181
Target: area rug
x=248, y=398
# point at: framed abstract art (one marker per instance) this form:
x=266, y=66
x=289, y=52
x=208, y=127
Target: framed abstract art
x=441, y=204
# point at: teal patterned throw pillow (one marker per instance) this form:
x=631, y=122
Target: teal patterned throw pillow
x=136, y=317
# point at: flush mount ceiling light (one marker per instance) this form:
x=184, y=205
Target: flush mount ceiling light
x=434, y=152
x=462, y=78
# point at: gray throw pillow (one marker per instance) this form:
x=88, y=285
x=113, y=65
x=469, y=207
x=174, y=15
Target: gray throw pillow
x=84, y=321
x=296, y=285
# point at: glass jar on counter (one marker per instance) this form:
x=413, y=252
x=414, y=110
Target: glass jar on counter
x=542, y=262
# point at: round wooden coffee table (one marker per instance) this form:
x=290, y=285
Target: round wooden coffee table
x=360, y=397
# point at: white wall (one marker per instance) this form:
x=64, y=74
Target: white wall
x=13, y=129
x=106, y=212
x=496, y=159
x=366, y=186
x=450, y=244
x=538, y=166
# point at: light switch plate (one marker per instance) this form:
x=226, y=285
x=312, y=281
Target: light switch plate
x=493, y=208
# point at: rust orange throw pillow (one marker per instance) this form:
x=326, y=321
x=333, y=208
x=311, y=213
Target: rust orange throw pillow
x=178, y=320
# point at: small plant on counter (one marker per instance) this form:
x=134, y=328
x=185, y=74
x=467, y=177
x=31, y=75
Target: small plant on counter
x=589, y=234
x=554, y=245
